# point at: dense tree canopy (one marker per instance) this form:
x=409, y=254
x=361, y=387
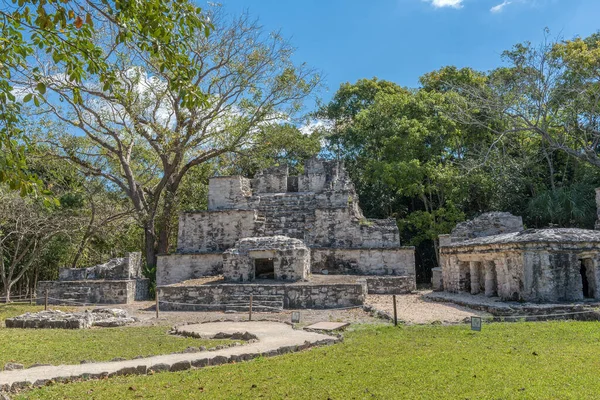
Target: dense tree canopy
x=122, y=111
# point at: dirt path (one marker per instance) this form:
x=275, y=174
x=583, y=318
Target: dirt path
x=273, y=338
x=416, y=309
x=144, y=311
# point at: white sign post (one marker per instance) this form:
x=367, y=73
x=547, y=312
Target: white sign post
x=295, y=317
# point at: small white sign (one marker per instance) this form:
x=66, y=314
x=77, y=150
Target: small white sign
x=295, y=317
x=476, y=324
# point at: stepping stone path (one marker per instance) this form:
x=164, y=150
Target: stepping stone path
x=272, y=338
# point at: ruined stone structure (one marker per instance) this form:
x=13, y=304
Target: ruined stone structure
x=276, y=257
x=119, y=281
x=286, y=228
x=56, y=319
x=538, y=265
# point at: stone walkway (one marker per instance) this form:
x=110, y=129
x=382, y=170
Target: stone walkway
x=274, y=338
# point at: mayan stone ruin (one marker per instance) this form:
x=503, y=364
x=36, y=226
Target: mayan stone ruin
x=493, y=254
x=56, y=319
x=118, y=281
x=300, y=239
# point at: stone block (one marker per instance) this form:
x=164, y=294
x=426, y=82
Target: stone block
x=180, y=366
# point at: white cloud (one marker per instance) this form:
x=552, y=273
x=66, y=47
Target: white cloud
x=446, y=3
x=316, y=124
x=498, y=8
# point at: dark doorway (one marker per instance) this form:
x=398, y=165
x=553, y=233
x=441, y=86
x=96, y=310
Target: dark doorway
x=264, y=268
x=292, y=184
x=588, y=287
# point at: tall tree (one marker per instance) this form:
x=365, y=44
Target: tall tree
x=140, y=136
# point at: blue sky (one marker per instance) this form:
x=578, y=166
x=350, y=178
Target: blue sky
x=400, y=40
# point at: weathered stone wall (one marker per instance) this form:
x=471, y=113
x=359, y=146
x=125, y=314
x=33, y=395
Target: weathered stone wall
x=291, y=258
x=115, y=269
x=287, y=214
x=556, y=276
x=294, y=296
x=216, y=231
x=437, y=281
x=90, y=292
x=271, y=180
x=228, y=193
x=489, y=224
x=142, y=289
x=340, y=228
x=320, y=175
x=395, y=261
x=390, y=285
x=173, y=268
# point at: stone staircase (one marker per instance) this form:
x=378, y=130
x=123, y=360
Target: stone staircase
x=287, y=214
x=260, y=303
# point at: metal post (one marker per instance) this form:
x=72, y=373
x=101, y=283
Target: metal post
x=395, y=312
x=46, y=300
x=156, y=297
x=250, y=310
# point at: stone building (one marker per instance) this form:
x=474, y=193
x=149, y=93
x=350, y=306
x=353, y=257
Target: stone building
x=119, y=281
x=286, y=228
x=494, y=255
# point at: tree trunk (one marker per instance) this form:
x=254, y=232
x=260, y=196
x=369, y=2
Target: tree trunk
x=165, y=221
x=150, y=243
x=7, y=287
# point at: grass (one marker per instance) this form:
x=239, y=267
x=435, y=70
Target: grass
x=542, y=360
x=66, y=346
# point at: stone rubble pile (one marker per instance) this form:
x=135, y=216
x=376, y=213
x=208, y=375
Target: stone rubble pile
x=55, y=319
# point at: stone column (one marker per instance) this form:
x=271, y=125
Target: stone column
x=491, y=284
x=474, y=266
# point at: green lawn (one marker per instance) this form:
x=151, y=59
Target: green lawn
x=66, y=346
x=543, y=360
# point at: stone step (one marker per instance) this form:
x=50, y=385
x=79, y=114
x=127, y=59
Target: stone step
x=255, y=303
x=255, y=297
x=255, y=308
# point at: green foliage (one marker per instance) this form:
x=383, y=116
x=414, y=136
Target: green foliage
x=66, y=31
x=276, y=144
x=149, y=271
x=504, y=361
x=572, y=206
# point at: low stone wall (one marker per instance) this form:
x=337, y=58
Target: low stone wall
x=390, y=285
x=216, y=297
x=55, y=319
x=174, y=268
x=90, y=292
x=393, y=261
x=142, y=289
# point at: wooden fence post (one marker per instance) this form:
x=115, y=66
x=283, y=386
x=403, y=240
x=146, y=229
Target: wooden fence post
x=395, y=312
x=156, y=297
x=46, y=300
x=250, y=310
